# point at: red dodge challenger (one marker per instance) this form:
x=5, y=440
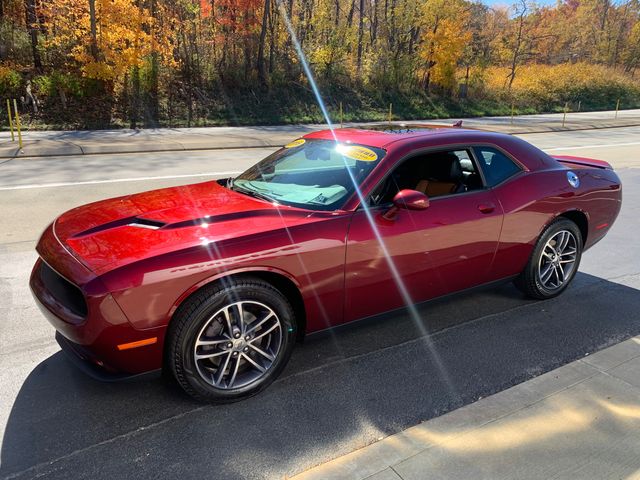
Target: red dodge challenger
x=216, y=281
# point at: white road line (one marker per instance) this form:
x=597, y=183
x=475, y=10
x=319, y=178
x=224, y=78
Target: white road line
x=593, y=146
x=116, y=180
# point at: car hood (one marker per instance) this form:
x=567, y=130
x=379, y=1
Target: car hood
x=112, y=233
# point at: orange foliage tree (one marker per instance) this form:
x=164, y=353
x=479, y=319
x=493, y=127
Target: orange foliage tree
x=104, y=38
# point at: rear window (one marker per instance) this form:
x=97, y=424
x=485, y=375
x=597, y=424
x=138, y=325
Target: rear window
x=496, y=166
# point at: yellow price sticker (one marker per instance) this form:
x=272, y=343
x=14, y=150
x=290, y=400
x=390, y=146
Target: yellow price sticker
x=356, y=152
x=295, y=143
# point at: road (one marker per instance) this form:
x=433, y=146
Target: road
x=338, y=392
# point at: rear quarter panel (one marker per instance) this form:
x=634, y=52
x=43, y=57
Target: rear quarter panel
x=532, y=200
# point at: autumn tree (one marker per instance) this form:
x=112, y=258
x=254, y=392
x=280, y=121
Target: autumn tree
x=106, y=38
x=631, y=53
x=444, y=23
x=162, y=61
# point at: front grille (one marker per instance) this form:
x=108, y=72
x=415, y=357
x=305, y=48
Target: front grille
x=65, y=292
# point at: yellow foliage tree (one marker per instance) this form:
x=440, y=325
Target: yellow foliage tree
x=106, y=37
x=632, y=52
x=443, y=41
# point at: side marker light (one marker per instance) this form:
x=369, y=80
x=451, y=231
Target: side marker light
x=139, y=343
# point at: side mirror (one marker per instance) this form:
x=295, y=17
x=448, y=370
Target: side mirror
x=407, y=200
x=411, y=200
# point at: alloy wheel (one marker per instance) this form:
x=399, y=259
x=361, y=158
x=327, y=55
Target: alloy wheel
x=238, y=344
x=557, y=260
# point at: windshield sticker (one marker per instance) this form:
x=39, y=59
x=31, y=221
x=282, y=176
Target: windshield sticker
x=295, y=143
x=356, y=152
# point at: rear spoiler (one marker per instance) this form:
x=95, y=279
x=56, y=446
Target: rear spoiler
x=587, y=162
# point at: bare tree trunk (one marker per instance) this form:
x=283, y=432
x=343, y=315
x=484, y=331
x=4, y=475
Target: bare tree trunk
x=374, y=24
x=31, y=98
x=262, y=75
x=94, y=29
x=135, y=96
x=3, y=48
x=33, y=28
x=518, y=45
x=273, y=32
x=153, y=87
x=360, y=39
x=430, y=61
x=605, y=13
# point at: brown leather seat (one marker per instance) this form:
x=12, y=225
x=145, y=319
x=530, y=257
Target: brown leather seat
x=434, y=188
x=444, y=175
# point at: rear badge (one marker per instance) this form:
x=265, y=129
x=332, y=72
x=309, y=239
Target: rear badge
x=573, y=179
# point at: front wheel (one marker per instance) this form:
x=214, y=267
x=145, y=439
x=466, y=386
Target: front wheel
x=554, y=261
x=229, y=342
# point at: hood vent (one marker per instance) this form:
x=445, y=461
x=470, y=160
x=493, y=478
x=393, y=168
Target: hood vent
x=129, y=221
x=146, y=223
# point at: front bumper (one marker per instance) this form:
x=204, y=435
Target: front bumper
x=84, y=360
x=94, y=333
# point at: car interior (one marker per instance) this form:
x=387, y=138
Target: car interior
x=434, y=174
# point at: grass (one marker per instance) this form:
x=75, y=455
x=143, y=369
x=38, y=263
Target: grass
x=296, y=105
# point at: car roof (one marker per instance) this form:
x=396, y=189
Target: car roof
x=398, y=136
x=383, y=135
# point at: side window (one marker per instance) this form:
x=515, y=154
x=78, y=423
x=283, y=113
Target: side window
x=496, y=166
x=435, y=174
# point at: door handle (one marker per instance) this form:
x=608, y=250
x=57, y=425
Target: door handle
x=486, y=207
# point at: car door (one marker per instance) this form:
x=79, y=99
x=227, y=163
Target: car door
x=520, y=226
x=421, y=254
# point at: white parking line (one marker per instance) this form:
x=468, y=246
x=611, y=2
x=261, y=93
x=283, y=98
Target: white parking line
x=604, y=145
x=116, y=180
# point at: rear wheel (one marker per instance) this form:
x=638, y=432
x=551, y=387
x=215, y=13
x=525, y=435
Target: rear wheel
x=554, y=261
x=230, y=342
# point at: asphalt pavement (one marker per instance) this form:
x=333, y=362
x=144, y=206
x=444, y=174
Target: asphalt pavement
x=338, y=393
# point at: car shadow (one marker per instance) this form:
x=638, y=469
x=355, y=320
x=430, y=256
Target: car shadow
x=339, y=392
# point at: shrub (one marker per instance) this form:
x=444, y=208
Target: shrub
x=548, y=87
x=51, y=84
x=9, y=82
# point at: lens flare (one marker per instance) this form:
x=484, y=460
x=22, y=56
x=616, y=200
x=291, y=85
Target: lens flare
x=404, y=292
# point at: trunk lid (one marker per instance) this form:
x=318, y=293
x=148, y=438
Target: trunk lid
x=582, y=162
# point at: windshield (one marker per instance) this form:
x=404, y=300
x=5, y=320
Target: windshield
x=314, y=174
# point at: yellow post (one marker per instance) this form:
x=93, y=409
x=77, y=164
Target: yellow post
x=13, y=138
x=15, y=109
x=564, y=117
x=390, y=108
x=617, y=107
x=341, y=118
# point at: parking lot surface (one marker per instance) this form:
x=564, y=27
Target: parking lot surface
x=339, y=392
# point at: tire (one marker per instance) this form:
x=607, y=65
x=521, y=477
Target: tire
x=554, y=261
x=215, y=356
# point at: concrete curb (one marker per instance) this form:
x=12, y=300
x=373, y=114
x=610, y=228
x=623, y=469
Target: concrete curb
x=448, y=439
